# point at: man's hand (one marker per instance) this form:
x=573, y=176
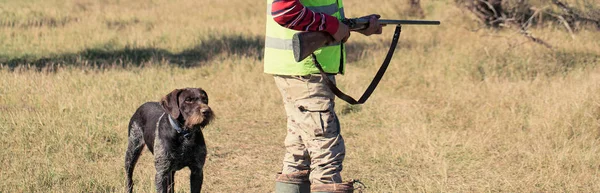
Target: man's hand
x=342, y=34
x=374, y=26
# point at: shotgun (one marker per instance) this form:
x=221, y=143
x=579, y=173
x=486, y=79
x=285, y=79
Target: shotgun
x=305, y=43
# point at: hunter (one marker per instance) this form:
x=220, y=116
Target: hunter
x=314, y=148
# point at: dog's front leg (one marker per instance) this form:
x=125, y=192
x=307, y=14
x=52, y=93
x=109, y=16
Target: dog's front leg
x=172, y=182
x=164, y=182
x=163, y=178
x=196, y=178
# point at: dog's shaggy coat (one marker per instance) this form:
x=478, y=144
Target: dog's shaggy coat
x=172, y=131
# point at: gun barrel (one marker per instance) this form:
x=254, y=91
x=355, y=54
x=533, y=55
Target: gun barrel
x=305, y=43
x=363, y=21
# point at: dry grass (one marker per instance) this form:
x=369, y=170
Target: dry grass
x=459, y=110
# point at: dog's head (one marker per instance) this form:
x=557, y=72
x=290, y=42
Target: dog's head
x=188, y=106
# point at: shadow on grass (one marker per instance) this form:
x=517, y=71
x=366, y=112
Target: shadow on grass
x=356, y=51
x=198, y=55
x=201, y=54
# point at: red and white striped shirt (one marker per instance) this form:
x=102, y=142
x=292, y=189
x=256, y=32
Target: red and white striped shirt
x=293, y=15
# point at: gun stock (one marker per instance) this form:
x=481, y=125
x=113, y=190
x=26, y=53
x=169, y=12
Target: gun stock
x=305, y=43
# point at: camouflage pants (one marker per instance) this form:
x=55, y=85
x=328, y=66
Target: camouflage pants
x=313, y=141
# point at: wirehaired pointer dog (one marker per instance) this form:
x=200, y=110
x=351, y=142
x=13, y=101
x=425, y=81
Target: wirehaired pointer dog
x=172, y=131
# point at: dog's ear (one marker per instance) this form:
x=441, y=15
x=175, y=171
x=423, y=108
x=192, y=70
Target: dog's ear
x=171, y=103
x=205, y=95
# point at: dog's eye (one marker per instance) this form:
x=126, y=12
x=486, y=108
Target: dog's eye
x=192, y=99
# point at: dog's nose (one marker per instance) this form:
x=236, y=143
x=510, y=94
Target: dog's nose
x=205, y=111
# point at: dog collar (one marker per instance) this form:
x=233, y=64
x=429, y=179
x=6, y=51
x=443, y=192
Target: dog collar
x=177, y=128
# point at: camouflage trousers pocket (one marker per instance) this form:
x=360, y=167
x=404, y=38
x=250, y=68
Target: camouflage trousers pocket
x=320, y=119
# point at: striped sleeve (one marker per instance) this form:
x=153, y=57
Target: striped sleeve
x=293, y=15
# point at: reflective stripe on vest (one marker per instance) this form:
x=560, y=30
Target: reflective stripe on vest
x=278, y=44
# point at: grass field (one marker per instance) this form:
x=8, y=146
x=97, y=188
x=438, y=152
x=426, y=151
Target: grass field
x=461, y=108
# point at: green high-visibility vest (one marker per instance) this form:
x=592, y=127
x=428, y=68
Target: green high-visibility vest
x=279, y=58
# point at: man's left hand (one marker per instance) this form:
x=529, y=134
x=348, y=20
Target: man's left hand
x=374, y=26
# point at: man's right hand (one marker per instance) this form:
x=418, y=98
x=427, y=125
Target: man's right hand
x=342, y=34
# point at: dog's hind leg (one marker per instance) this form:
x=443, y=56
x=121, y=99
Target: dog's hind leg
x=135, y=146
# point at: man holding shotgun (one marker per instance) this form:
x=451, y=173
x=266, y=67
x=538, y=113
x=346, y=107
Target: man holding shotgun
x=314, y=147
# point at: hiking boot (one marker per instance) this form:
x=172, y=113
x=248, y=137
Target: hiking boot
x=347, y=187
x=296, y=182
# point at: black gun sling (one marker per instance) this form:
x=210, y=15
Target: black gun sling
x=375, y=80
